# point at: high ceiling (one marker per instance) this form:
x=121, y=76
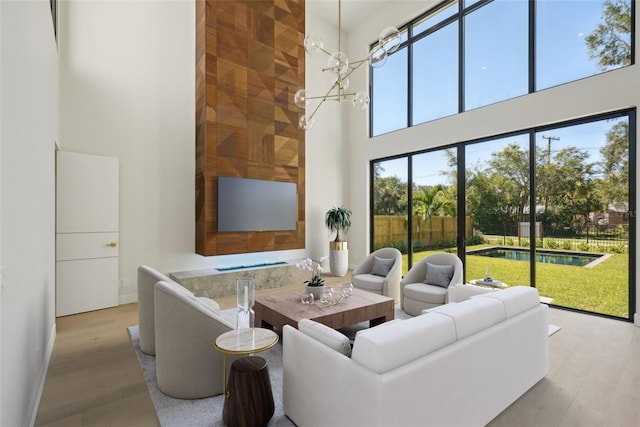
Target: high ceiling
x=353, y=11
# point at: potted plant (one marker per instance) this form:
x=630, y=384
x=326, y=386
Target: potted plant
x=315, y=285
x=338, y=219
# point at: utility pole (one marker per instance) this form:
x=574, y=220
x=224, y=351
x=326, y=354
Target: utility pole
x=549, y=139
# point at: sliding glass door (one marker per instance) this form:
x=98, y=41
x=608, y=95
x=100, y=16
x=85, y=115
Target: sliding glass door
x=497, y=201
x=582, y=197
x=433, y=203
x=547, y=207
x=389, y=205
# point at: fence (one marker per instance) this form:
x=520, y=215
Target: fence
x=589, y=238
x=436, y=231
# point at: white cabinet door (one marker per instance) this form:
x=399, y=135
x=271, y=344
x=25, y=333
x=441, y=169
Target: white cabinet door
x=87, y=244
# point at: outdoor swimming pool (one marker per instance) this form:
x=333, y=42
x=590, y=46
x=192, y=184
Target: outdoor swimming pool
x=543, y=256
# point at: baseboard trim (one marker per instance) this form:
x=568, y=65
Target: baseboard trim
x=128, y=299
x=636, y=319
x=43, y=375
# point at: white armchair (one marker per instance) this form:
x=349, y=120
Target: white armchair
x=147, y=279
x=380, y=272
x=187, y=365
x=426, y=286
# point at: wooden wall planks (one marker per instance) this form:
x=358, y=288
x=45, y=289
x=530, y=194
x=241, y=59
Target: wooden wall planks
x=249, y=63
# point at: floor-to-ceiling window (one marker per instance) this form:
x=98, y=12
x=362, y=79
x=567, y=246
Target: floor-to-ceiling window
x=547, y=207
x=582, y=206
x=389, y=205
x=497, y=189
x=462, y=55
x=433, y=202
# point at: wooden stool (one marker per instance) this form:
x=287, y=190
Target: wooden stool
x=249, y=399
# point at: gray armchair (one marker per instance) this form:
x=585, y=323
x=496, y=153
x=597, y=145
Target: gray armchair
x=424, y=288
x=370, y=274
x=187, y=364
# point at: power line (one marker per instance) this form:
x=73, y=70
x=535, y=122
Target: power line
x=549, y=139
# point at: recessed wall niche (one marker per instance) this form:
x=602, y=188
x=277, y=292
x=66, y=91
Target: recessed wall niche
x=249, y=63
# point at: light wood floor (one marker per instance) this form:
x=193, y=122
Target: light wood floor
x=94, y=378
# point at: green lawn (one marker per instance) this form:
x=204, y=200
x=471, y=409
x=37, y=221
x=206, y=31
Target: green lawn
x=601, y=289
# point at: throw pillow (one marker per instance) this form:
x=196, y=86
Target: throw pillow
x=382, y=266
x=439, y=275
x=329, y=337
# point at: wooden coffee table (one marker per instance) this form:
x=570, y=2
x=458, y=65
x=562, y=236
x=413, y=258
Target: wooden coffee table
x=275, y=311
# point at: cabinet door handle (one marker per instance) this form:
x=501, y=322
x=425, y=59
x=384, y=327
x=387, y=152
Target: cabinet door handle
x=112, y=244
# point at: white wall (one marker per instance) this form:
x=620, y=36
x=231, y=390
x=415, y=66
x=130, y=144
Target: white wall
x=606, y=92
x=326, y=163
x=127, y=82
x=28, y=70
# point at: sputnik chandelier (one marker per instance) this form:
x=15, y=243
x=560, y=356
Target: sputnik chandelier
x=338, y=63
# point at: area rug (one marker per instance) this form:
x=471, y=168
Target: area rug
x=208, y=412
x=204, y=412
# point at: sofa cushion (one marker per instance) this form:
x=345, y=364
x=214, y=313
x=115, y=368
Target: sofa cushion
x=382, y=266
x=439, y=275
x=368, y=282
x=382, y=325
x=472, y=315
x=515, y=299
x=385, y=348
x=326, y=335
x=425, y=293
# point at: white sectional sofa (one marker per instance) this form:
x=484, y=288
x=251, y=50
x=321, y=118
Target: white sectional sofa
x=459, y=364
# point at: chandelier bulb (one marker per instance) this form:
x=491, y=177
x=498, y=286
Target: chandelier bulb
x=306, y=123
x=313, y=43
x=302, y=98
x=338, y=63
x=361, y=100
x=343, y=83
x=390, y=39
x=377, y=57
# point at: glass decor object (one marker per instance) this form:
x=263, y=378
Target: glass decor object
x=307, y=298
x=338, y=63
x=246, y=297
x=327, y=296
x=347, y=290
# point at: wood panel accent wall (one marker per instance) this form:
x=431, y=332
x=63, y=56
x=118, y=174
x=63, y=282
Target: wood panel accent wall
x=249, y=64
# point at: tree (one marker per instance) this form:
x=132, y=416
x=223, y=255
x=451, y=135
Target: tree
x=509, y=170
x=570, y=189
x=614, y=185
x=498, y=192
x=610, y=42
x=485, y=204
x=433, y=200
x=390, y=196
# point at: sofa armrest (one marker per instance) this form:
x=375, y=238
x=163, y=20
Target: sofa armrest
x=391, y=284
x=416, y=274
x=312, y=372
x=365, y=266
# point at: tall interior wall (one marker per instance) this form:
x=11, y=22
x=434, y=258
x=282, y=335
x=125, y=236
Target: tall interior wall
x=28, y=115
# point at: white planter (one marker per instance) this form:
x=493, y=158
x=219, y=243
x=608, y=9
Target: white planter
x=316, y=291
x=338, y=258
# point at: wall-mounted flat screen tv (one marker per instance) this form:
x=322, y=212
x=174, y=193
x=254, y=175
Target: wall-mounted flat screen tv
x=256, y=205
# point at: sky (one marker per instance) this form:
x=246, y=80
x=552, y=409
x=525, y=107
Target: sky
x=589, y=137
x=496, y=49
x=496, y=59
